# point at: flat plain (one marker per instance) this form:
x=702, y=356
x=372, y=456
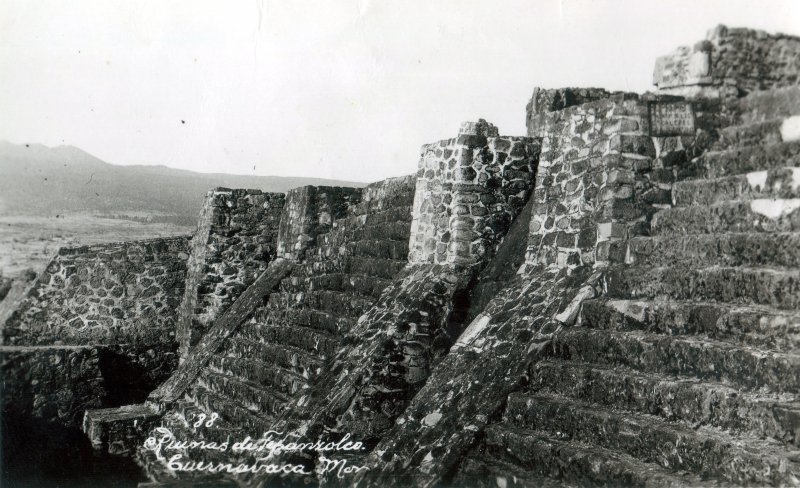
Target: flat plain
x=30, y=241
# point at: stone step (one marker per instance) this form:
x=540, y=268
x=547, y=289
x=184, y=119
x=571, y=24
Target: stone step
x=740, y=366
x=393, y=231
x=314, y=265
x=118, y=430
x=374, y=216
x=253, y=397
x=760, y=215
x=572, y=461
x=675, y=399
x=301, y=362
x=764, y=105
x=396, y=233
x=229, y=409
x=322, y=344
x=774, y=287
x=379, y=268
x=761, y=327
x=704, y=451
x=362, y=286
x=400, y=213
x=477, y=471
x=348, y=242
x=376, y=248
x=306, y=317
x=375, y=268
x=265, y=374
x=764, y=132
x=781, y=249
x=742, y=160
x=373, y=207
x=776, y=183
x=335, y=303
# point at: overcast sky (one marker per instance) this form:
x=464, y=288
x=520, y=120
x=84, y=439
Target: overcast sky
x=343, y=89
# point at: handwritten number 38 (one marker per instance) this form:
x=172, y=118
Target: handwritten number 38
x=201, y=418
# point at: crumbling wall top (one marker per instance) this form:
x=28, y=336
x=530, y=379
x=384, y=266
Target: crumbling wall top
x=468, y=191
x=730, y=62
x=479, y=128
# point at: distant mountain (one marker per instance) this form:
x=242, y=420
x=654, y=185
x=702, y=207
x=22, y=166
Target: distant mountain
x=48, y=181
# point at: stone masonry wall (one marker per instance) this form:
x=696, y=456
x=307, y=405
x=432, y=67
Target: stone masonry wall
x=119, y=293
x=469, y=189
x=355, y=241
x=468, y=388
x=354, y=340
x=581, y=194
x=397, y=343
x=234, y=242
x=352, y=243
x=309, y=211
x=730, y=62
x=55, y=385
x=605, y=169
x=586, y=184
x=387, y=355
x=47, y=389
x=96, y=329
x=543, y=101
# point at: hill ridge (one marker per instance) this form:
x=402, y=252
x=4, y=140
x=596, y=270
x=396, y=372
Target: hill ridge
x=40, y=180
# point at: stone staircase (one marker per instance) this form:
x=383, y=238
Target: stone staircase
x=281, y=348
x=688, y=371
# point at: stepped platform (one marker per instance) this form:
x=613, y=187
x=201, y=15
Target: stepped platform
x=685, y=373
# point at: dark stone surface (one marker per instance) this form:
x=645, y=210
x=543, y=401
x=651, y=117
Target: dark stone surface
x=235, y=240
x=732, y=60
x=544, y=100
x=226, y=325
x=644, y=333
x=117, y=293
